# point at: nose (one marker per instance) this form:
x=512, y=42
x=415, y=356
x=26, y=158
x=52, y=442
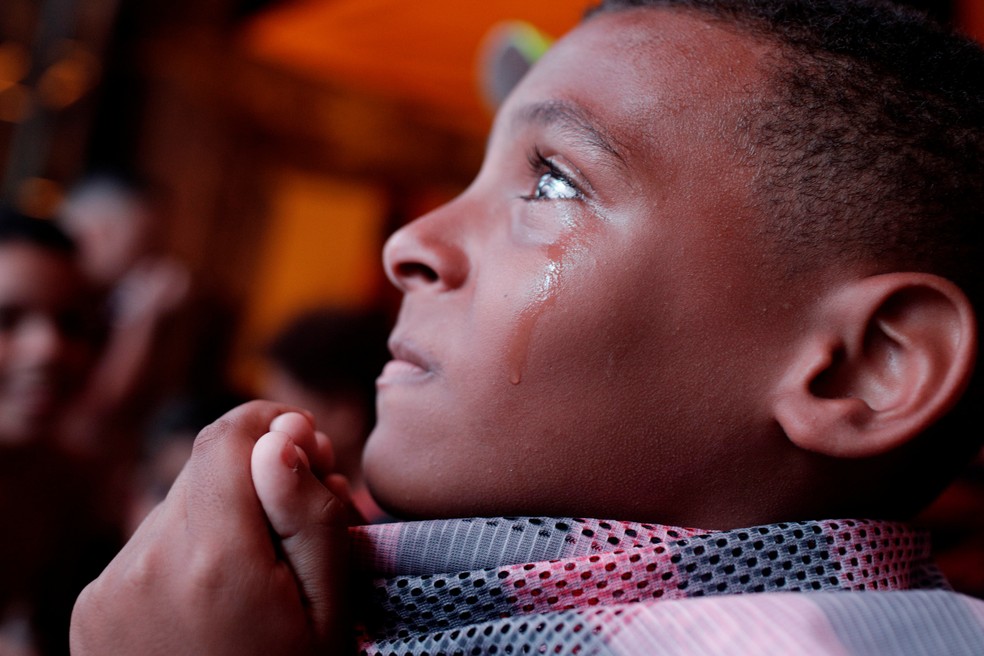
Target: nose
x=42, y=341
x=428, y=253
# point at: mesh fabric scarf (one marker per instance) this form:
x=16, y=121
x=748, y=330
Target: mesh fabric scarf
x=581, y=586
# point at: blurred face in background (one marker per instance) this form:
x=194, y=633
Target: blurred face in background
x=112, y=229
x=44, y=350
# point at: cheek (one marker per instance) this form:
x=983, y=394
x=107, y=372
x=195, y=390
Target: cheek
x=541, y=288
x=612, y=341
x=559, y=358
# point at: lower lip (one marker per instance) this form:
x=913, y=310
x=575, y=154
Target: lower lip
x=401, y=371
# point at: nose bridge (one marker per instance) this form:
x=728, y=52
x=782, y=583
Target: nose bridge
x=430, y=251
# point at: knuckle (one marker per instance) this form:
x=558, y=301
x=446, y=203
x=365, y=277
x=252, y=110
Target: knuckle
x=206, y=570
x=244, y=415
x=331, y=512
x=86, y=602
x=213, y=433
x=143, y=572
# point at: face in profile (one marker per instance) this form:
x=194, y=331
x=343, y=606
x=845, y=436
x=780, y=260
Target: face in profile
x=581, y=330
x=43, y=351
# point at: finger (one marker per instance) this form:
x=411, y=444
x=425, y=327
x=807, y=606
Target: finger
x=310, y=521
x=216, y=483
x=325, y=460
x=292, y=422
x=315, y=444
x=339, y=486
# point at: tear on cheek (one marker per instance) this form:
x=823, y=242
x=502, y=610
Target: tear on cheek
x=544, y=297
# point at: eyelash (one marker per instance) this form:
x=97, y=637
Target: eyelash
x=540, y=165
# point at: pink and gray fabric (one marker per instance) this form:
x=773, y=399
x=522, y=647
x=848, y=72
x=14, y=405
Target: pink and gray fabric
x=582, y=586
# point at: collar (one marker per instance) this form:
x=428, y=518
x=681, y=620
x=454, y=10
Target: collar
x=447, y=574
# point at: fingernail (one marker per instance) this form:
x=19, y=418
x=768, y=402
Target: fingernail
x=291, y=458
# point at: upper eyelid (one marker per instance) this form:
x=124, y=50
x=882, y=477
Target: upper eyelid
x=540, y=167
x=574, y=123
x=539, y=162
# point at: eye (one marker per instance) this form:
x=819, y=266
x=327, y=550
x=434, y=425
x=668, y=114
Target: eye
x=554, y=186
x=552, y=183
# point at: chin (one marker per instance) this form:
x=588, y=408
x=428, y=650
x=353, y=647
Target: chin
x=399, y=500
x=386, y=473
x=405, y=492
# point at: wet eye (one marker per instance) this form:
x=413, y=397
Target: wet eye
x=552, y=186
x=552, y=183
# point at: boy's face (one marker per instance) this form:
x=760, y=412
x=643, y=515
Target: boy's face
x=588, y=329
x=43, y=354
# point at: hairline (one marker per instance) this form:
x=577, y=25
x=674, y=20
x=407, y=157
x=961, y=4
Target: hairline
x=777, y=61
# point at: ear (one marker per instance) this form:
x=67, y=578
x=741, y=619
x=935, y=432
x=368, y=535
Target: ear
x=883, y=359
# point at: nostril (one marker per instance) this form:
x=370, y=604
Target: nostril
x=416, y=271
x=427, y=253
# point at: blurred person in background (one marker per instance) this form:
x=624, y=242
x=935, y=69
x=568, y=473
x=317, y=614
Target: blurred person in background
x=118, y=233
x=327, y=361
x=54, y=539
x=166, y=339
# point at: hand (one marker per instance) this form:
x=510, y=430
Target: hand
x=203, y=574
x=154, y=287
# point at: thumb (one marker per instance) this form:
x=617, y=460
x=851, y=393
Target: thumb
x=311, y=525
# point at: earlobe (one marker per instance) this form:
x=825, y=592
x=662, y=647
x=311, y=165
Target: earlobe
x=882, y=359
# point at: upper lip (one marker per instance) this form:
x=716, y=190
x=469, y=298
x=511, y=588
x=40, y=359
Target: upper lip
x=406, y=350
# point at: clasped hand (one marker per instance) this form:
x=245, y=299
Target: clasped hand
x=246, y=555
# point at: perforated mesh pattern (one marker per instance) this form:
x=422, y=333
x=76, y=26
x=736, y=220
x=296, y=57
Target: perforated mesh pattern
x=599, y=564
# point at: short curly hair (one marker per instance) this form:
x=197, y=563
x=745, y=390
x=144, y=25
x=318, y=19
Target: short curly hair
x=873, y=132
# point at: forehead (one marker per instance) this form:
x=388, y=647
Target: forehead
x=637, y=74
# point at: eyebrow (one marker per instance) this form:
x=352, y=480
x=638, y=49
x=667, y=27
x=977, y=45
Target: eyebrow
x=572, y=120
